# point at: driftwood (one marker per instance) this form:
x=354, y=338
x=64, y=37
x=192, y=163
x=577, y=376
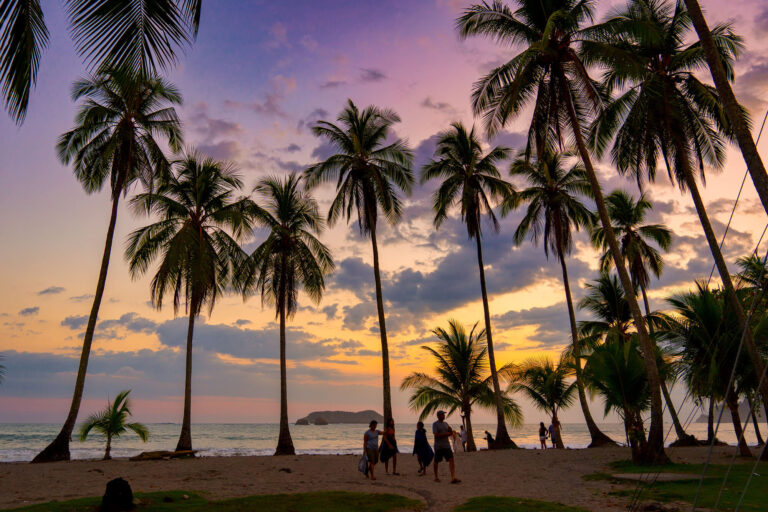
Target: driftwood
x=164, y=455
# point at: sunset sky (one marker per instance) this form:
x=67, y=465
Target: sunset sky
x=258, y=76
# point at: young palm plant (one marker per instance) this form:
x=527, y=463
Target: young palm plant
x=462, y=380
x=472, y=182
x=289, y=260
x=665, y=112
x=369, y=173
x=111, y=422
x=121, y=124
x=546, y=385
x=549, y=72
x=555, y=209
x=196, y=242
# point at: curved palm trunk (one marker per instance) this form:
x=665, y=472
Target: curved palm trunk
x=108, y=451
x=733, y=406
x=754, y=410
x=711, y=421
x=502, y=439
x=471, y=447
x=284, y=441
x=558, y=433
x=654, y=452
x=59, y=447
x=597, y=435
x=382, y=326
x=730, y=104
x=185, y=438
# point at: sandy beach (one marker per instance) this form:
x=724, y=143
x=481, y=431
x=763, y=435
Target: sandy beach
x=554, y=475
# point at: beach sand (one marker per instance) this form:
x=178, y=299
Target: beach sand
x=553, y=475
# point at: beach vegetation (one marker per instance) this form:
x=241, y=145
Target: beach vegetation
x=111, y=422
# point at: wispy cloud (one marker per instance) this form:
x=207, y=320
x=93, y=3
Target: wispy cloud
x=30, y=311
x=51, y=290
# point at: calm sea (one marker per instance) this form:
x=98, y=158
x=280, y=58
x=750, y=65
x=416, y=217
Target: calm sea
x=21, y=442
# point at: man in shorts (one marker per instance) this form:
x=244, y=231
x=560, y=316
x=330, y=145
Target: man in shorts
x=443, y=433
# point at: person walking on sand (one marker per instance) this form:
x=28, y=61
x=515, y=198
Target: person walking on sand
x=443, y=433
x=463, y=437
x=543, y=435
x=421, y=448
x=489, y=439
x=371, y=446
x=389, y=449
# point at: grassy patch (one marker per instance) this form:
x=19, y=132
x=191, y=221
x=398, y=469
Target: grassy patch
x=509, y=504
x=304, y=502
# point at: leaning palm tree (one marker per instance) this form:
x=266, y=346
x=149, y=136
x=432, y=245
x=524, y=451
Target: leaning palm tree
x=665, y=113
x=195, y=240
x=289, y=260
x=472, y=182
x=546, y=385
x=368, y=171
x=121, y=125
x=555, y=209
x=549, y=72
x=462, y=380
x=111, y=422
x=136, y=36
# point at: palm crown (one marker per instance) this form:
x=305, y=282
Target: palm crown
x=544, y=382
x=606, y=301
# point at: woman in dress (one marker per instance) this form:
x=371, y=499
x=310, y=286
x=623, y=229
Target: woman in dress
x=388, y=449
x=422, y=449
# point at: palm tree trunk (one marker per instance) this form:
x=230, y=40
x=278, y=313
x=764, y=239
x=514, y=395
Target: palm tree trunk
x=655, y=446
x=185, y=438
x=284, y=441
x=597, y=435
x=733, y=406
x=471, y=447
x=59, y=448
x=382, y=325
x=754, y=410
x=730, y=104
x=558, y=433
x=108, y=451
x=711, y=421
x=502, y=439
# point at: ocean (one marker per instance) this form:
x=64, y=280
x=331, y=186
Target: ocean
x=21, y=442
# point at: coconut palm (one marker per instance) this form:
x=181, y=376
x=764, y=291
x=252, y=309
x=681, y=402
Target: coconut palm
x=722, y=77
x=370, y=171
x=555, y=209
x=549, y=72
x=137, y=36
x=753, y=275
x=289, y=260
x=462, y=379
x=471, y=182
x=121, y=125
x=545, y=383
x=664, y=112
x=111, y=422
x=606, y=302
x=195, y=240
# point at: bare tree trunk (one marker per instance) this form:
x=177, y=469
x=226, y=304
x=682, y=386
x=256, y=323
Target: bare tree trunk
x=597, y=435
x=711, y=421
x=733, y=406
x=284, y=441
x=382, y=326
x=185, y=438
x=59, y=447
x=471, y=447
x=730, y=104
x=502, y=436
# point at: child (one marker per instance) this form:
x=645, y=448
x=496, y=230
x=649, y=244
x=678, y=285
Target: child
x=421, y=449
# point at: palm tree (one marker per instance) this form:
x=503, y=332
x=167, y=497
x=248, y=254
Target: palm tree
x=135, y=36
x=461, y=380
x=722, y=76
x=111, y=422
x=121, y=124
x=472, y=182
x=555, y=209
x=368, y=171
x=196, y=242
x=545, y=384
x=606, y=301
x=289, y=260
x=664, y=111
x=549, y=72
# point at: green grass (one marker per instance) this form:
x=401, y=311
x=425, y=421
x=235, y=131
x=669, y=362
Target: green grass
x=304, y=502
x=509, y=504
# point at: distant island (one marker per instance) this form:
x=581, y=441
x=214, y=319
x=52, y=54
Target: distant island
x=743, y=412
x=334, y=417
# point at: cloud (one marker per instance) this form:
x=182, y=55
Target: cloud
x=332, y=84
x=224, y=150
x=324, y=151
x=441, y=105
x=30, y=311
x=75, y=322
x=330, y=311
x=372, y=75
x=279, y=36
x=131, y=322
x=291, y=148
x=81, y=298
x=311, y=118
x=51, y=290
x=356, y=316
x=242, y=321
x=551, y=323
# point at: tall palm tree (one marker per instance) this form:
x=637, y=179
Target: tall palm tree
x=665, y=112
x=369, y=172
x=195, y=240
x=111, y=422
x=722, y=76
x=555, y=209
x=289, y=260
x=136, y=36
x=462, y=380
x=472, y=182
x=121, y=125
x=549, y=72
x=606, y=301
x=545, y=383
